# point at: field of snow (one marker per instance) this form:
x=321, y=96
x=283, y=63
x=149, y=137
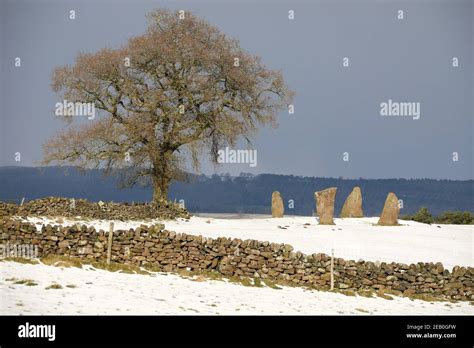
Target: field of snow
x=356, y=238
x=92, y=291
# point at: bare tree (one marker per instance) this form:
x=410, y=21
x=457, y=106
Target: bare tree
x=180, y=88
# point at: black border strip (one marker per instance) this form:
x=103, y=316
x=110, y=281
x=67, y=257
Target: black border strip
x=241, y=330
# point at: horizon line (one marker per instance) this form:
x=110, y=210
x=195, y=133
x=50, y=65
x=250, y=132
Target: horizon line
x=242, y=174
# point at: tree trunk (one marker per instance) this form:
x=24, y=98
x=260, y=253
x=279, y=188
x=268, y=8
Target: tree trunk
x=160, y=189
x=161, y=177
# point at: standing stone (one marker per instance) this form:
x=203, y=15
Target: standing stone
x=391, y=209
x=325, y=205
x=277, y=205
x=352, y=207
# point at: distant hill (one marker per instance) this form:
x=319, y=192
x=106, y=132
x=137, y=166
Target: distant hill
x=242, y=194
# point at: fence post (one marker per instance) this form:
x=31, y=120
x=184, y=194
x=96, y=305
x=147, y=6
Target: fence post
x=332, y=269
x=109, y=244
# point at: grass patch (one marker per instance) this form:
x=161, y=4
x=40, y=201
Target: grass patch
x=61, y=261
x=184, y=273
x=366, y=293
x=383, y=295
x=65, y=261
x=204, y=275
x=427, y=297
x=245, y=281
x=362, y=310
x=198, y=278
x=271, y=284
x=348, y=292
x=393, y=292
x=54, y=286
x=210, y=274
x=71, y=286
x=345, y=292
x=21, y=260
x=118, y=267
x=27, y=282
x=241, y=281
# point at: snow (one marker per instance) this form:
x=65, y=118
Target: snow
x=355, y=238
x=103, y=292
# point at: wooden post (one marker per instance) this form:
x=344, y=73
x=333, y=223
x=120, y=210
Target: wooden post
x=109, y=244
x=332, y=269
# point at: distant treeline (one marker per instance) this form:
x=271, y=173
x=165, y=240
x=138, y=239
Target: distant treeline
x=242, y=194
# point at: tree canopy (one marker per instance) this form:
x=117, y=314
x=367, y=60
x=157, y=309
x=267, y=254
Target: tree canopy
x=182, y=88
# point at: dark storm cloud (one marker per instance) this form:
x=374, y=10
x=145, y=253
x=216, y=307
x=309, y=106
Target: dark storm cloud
x=337, y=109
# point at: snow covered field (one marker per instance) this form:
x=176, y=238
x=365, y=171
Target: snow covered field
x=351, y=238
x=91, y=291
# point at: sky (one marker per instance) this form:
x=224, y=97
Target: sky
x=337, y=129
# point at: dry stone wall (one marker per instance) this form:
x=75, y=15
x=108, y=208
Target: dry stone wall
x=7, y=209
x=66, y=207
x=169, y=251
